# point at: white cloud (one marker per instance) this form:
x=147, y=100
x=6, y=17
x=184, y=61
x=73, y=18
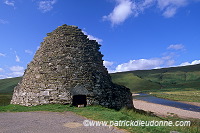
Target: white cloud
x=169, y=7
x=195, y=62
x=107, y=63
x=109, y=66
x=92, y=37
x=3, y=21
x=184, y=64
x=141, y=64
x=169, y=12
x=121, y=12
x=46, y=5
x=125, y=8
x=145, y=4
x=1, y=54
x=2, y=76
x=17, y=58
x=167, y=60
x=176, y=47
x=17, y=71
x=38, y=47
x=28, y=52
x=170, y=62
x=1, y=70
x=16, y=74
x=95, y=38
x=162, y=4
x=9, y=3
x=192, y=63
x=16, y=68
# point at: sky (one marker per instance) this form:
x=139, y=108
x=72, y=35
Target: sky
x=134, y=34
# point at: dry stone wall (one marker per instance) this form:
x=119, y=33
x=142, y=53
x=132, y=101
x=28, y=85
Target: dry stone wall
x=68, y=64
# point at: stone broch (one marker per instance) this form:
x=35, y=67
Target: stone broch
x=66, y=68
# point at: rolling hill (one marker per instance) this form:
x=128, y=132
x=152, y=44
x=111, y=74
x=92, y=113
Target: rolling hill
x=7, y=85
x=141, y=80
x=6, y=89
x=185, y=78
x=156, y=79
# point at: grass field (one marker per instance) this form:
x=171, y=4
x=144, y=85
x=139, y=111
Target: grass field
x=5, y=99
x=190, y=96
x=104, y=114
x=6, y=89
x=178, y=83
x=134, y=83
x=7, y=85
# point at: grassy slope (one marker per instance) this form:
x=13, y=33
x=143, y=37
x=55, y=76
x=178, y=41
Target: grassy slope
x=181, y=77
x=134, y=82
x=104, y=114
x=6, y=89
x=189, y=96
x=7, y=85
x=178, y=83
x=176, y=77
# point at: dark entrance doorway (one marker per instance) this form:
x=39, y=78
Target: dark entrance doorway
x=79, y=100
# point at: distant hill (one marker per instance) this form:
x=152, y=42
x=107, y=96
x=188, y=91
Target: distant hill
x=174, y=77
x=7, y=85
x=141, y=80
x=6, y=89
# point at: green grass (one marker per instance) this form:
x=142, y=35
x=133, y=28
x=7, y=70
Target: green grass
x=104, y=114
x=176, y=77
x=7, y=85
x=176, y=83
x=190, y=96
x=134, y=83
x=6, y=89
x=5, y=99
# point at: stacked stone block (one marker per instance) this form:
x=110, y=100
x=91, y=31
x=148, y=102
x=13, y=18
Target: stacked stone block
x=67, y=64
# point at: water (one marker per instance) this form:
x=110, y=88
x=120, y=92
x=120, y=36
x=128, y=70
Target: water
x=152, y=99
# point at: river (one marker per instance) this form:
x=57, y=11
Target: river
x=153, y=99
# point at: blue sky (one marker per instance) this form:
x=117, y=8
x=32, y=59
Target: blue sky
x=135, y=34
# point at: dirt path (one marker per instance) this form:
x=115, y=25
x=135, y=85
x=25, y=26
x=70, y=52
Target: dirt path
x=164, y=110
x=48, y=122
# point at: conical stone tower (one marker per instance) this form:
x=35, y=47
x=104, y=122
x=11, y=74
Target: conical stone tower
x=68, y=69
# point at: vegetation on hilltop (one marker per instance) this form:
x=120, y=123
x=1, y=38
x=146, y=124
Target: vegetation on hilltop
x=161, y=79
x=7, y=85
x=6, y=89
x=176, y=83
x=134, y=82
